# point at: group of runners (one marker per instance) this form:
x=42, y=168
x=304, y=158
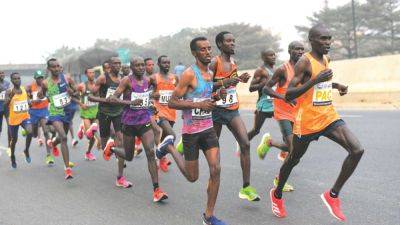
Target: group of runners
x=130, y=109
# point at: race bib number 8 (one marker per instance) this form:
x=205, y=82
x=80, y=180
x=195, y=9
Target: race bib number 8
x=145, y=100
x=322, y=94
x=21, y=106
x=61, y=100
x=231, y=98
x=200, y=114
x=2, y=95
x=165, y=96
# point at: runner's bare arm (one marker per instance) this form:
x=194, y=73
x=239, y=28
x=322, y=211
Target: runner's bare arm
x=185, y=83
x=341, y=88
x=122, y=87
x=153, y=83
x=43, y=90
x=8, y=97
x=301, y=81
x=257, y=82
x=278, y=74
x=95, y=89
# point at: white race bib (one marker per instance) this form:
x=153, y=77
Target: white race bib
x=35, y=97
x=88, y=103
x=231, y=98
x=165, y=96
x=61, y=100
x=21, y=106
x=145, y=100
x=2, y=95
x=322, y=94
x=111, y=91
x=200, y=114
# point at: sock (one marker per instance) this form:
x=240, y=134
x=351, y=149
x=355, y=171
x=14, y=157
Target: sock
x=245, y=185
x=155, y=186
x=277, y=195
x=333, y=194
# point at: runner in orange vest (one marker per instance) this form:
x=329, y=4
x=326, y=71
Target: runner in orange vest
x=16, y=102
x=317, y=117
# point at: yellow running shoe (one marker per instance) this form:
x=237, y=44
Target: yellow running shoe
x=263, y=147
x=286, y=188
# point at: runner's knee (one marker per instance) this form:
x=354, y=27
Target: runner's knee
x=244, y=146
x=150, y=154
x=192, y=177
x=357, y=152
x=215, y=171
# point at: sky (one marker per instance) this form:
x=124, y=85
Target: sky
x=32, y=29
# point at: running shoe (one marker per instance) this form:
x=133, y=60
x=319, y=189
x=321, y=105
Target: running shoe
x=212, y=220
x=277, y=205
x=80, y=131
x=9, y=152
x=92, y=129
x=74, y=142
x=107, y=150
x=163, y=164
x=249, y=193
x=263, y=147
x=40, y=142
x=333, y=205
x=282, y=155
x=13, y=163
x=68, y=173
x=55, y=150
x=71, y=164
x=179, y=146
x=27, y=157
x=24, y=132
x=159, y=195
x=122, y=182
x=162, y=148
x=237, y=152
x=89, y=156
x=286, y=188
x=49, y=160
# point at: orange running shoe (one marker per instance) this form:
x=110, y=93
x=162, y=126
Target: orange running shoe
x=159, y=195
x=163, y=164
x=107, y=150
x=68, y=173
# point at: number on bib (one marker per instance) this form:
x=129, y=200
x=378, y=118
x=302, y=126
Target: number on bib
x=145, y=100
x=21, y=106
x=231, y=98
x=200, y=114
x=61, y=100
x=2, y=95
x=165, y=96
x=322, y=94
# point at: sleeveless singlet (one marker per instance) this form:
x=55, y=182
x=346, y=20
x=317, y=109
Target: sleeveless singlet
x=231, y=101
x=19, y=108
x=283, y=110
x=198, y=120
x=105, y=91
x=165, y=88
x=315, y=111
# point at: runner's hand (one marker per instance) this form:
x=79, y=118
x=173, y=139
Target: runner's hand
x=155, y=95
x=232, y=81
x=324, y=75
x=291, y=102
x=84, y=107
x=342, y=89
x=206, y=105
x=244, y=77
x=220, y=94
x=137, y=102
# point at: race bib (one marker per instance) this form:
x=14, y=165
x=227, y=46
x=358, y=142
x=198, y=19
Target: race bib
x=88, y=103
x=2, y=95
x=231, y=98
x=35, y=97
x=111, y=91
x=21, y=106
x=61, y=100
x=200, y=114
x=165, y=96
x=322, y=94
x=145, y=100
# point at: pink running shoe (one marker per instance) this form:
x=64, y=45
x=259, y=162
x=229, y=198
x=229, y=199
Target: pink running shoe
x=92, y=129
x=89, y=156
x=122, y=182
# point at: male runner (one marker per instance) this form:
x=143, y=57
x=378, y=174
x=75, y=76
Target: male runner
x=109, y=113
x=136, y=121
x=56, y=87
x=16, y=102
x=284, y=112
x=149, y=63
x=4, y=86
x=195, y=87
x=264, y=107
x=88, y=113
x=317, y=117
x=164, y=84
x=39, y=112
x=227, y=110
x=125, y=70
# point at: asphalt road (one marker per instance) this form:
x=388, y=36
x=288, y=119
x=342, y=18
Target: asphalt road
x=37, y=194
